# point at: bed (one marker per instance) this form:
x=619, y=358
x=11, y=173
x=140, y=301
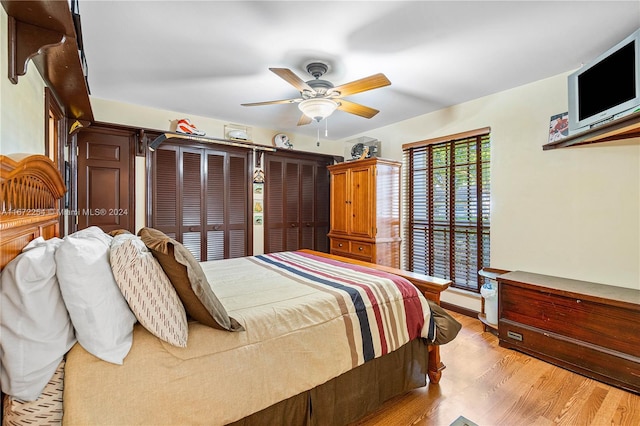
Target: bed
x=297, y=338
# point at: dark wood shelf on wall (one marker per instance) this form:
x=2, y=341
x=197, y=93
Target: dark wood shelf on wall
x=44, y=32
x=622, y=128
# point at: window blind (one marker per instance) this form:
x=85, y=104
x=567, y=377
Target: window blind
x=447, y=210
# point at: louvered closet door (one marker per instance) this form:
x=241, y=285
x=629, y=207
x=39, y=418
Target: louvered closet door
x=215, y=206
x=296, y=204
x=200, y=198
x=165, y=186
x=227, y=197
x=192, y=202
x=274, y=219
x=293, y=201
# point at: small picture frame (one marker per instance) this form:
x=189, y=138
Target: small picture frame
x=258, y=188
x=257, y=219
x=558, y=127
x=258, y=176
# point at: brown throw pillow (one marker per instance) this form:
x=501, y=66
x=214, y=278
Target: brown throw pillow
x=117, y=232
x=187, y=276
x=447, y=327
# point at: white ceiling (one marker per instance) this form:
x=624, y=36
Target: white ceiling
x=207, y=57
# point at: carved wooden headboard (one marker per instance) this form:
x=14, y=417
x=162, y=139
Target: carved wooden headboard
x=30, y=187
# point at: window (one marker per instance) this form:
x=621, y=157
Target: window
x=447, y=207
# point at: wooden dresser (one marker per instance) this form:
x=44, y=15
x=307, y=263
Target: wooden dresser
x=365, y=211
x=592, y=329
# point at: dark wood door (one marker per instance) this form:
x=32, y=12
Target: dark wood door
x=296, y=203
x=200, y=197
x=105, y=176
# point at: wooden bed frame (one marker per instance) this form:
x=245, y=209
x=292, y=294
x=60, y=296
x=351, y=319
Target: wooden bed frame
x=31, y=187
x=30, y=191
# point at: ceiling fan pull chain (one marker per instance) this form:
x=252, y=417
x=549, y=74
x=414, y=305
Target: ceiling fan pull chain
x=318, y=136
x=326, y=127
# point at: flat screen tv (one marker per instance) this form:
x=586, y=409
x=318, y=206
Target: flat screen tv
x=606, y=88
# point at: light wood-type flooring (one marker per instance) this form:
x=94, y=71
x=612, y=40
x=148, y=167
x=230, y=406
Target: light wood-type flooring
x=490, y=385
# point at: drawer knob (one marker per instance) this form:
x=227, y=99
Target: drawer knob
x=360, y=248
x=340, y=245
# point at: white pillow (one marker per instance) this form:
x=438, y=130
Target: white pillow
x=148, y=291
x=99, y=312
x=35, y=328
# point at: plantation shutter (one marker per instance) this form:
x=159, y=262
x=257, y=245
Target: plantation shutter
x=447, y=216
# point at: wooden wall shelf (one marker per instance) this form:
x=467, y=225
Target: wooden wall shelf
x=44, y=32
x=168, y=136
x=622, y=128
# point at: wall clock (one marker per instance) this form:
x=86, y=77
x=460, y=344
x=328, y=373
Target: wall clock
x=282, y=141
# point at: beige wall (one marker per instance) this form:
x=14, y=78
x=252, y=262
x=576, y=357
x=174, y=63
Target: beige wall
x=22, y=118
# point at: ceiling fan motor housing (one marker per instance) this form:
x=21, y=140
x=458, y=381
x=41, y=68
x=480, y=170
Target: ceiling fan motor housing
x=317, y=69
x=320, y=86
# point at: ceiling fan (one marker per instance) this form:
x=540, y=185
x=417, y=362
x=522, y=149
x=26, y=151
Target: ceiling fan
x=320, y=98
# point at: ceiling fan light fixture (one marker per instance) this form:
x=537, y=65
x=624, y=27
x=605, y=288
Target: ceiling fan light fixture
x=318, y=108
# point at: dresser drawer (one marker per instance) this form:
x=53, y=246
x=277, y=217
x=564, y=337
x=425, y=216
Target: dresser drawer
x=599, y=323
x=359, y=248
x=338, y=245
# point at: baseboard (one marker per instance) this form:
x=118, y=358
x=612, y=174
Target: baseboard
x=459, y=309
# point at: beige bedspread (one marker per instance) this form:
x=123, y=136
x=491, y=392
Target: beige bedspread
x=300, y=332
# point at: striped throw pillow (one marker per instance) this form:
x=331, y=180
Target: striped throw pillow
x=148, y=291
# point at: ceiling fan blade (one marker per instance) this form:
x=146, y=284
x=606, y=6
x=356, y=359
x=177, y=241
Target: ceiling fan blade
x=357, y=109
x=304, y=120
x=283, y=101
x=287, y=75
x=368, y=83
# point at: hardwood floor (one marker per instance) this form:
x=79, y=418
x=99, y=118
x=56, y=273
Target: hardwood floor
x=490, y=385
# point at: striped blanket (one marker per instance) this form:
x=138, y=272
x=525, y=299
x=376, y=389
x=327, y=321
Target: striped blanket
x=390, y=311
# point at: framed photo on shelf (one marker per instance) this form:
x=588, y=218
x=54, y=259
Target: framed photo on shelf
x=559, y=127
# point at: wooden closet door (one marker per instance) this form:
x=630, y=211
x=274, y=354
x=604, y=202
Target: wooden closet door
x=293, y=199
x=192, y=189
x=282, y=214
x=297, y=212
x=235, y=207
x=274, y=218
x=166, y=181
x=106, y=187
x=201, y=198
